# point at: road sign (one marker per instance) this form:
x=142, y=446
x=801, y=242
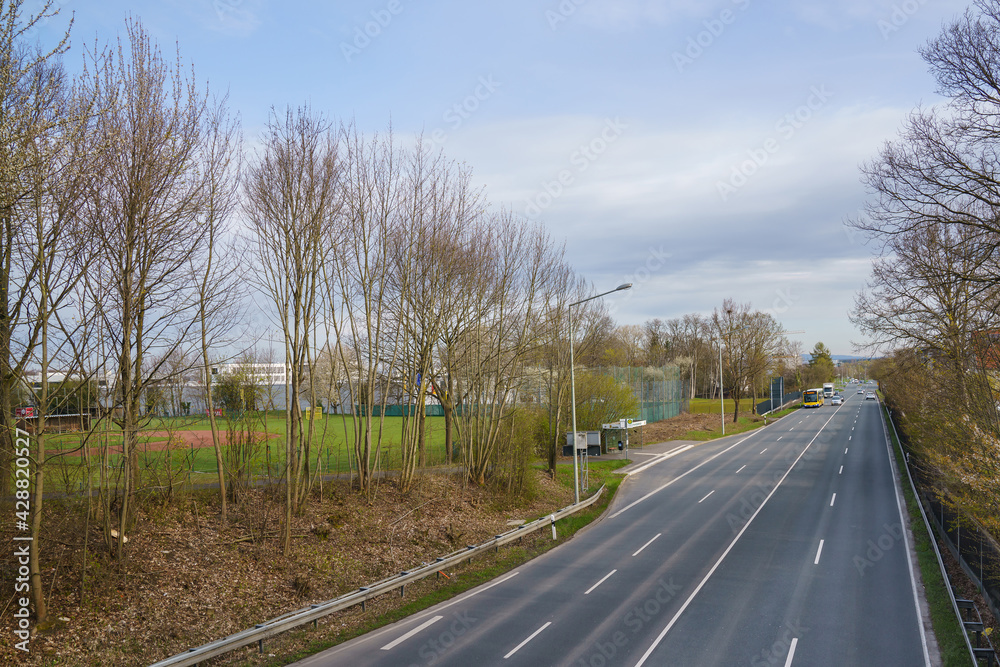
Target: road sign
x=625, y=423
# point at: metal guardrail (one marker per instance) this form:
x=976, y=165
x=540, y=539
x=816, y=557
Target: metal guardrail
x=311, y=614
x=974, y=653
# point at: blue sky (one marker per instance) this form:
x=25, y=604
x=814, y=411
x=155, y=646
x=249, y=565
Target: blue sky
x=702, y=150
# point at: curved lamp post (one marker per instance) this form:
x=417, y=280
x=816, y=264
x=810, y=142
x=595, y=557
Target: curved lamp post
x=572, y=383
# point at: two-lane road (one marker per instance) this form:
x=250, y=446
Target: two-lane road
x=782, y=547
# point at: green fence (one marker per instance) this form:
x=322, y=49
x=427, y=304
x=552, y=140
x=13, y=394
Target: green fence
x=658, y=390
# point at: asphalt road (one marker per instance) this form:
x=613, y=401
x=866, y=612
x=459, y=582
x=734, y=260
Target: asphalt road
x=782, y=547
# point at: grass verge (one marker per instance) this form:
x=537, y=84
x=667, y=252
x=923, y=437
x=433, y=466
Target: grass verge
x=477, y=572
x=947, y=630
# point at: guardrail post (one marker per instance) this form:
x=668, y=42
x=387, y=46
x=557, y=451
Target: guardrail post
x=552, y=517
x=284, y=623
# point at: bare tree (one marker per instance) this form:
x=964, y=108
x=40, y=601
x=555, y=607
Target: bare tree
x=437, y=203
x=752, y=340
x=218, y=284
x=359, y=285
x=55, y=256
x=514, y=270
x=291, y=198
x=932, y=291
x=29, y=90
x=147, y=204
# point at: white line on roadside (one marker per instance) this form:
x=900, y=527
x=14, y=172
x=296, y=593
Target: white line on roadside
x=603, y=579
x=391, y=645
x=718, y=562
x=647, y=544
x=707, y=495
x=741, y=468
x=906, y=539
x=660, y=458
x=681, y=476
x=791, y=651
x=530, y=637
x=818, y=552
x=479, y=590
x=833, y=499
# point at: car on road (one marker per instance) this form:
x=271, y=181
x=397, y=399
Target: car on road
x=837, y=400
x=870, y=396
x=861, y=390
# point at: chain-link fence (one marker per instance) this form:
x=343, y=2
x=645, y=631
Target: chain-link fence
x=658, y=390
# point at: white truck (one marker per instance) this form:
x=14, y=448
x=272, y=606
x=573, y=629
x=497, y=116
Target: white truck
x=827, y=390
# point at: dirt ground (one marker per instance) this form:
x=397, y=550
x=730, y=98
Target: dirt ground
x=158, y=441
x=677, y=427
x=189, y=580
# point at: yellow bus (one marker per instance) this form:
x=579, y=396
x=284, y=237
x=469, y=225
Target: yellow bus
x=812, y=398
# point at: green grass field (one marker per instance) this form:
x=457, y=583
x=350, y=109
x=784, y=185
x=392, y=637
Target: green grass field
x=331, y=450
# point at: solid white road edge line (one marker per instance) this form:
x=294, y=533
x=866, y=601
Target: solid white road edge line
x=906, y=540
x=530, y=637
x=477, y=592
x=701, y=584
x=399, y=640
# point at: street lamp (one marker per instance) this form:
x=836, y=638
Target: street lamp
x=722, y=392
x=572, y=383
